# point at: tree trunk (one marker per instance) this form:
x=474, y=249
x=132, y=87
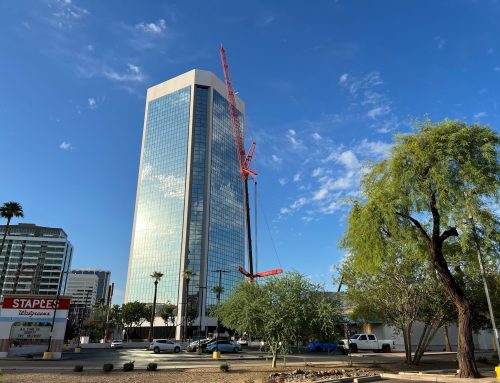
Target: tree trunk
x=273, y=364
x=446, y=339
x=407, y=343
x=465, y=350
x=429, y=336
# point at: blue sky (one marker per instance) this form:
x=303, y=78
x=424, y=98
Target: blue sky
x=326, y=86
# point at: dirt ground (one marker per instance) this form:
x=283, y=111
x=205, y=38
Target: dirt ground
x=206, y=375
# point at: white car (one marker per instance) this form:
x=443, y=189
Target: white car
x=116, y=344
x=159, y=345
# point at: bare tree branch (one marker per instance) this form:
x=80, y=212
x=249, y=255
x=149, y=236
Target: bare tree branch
x=451, y=232
x=416, y=223
x=436, y=218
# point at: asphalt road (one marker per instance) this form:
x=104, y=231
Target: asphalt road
x=94, y=358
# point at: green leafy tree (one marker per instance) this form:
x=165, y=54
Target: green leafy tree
x=423, y=193
x=134, y=314
x=168, y=313
x=280, y=311
x=419, y=297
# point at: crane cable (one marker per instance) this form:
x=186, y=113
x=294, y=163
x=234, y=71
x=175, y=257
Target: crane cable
x=270, y=235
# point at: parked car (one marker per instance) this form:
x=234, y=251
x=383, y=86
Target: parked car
x=193, y=346
x=318, y=346
x=223, y=346
x=366, y=342
x=243, y=341
x=116, y=344
x=159, y=345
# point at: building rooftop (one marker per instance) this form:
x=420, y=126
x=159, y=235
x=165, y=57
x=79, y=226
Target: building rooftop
x=32, y=230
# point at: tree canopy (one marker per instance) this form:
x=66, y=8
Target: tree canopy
x=281, y=311
x=423, y=195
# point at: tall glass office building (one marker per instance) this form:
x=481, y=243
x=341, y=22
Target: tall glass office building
x=189, y=212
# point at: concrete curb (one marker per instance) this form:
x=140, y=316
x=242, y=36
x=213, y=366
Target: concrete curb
x=441, y=378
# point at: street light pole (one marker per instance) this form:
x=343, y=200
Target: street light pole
x=483, y=276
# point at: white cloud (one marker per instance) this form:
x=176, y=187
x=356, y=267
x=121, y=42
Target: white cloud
x=282, y=181
x=297, y=177
x=92, y=103
x=292, y=136
x=320, y=194
x=348, y=159
x=439, y=42
x=285, y=210
x=276, y=159
x=479, y=115
x=66, y=14
x=317, y=172
x=66, y=145
x=132, y=74
x=154, y=28
x=354, y=85
x=90, y=48
x=316, y=136
x=378, y=111
x=378, y=149
x=298, y=203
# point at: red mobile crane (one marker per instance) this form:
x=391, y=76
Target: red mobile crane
x=244, y=159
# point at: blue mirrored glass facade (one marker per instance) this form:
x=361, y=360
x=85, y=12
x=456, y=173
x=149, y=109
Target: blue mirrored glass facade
x=159, y=220
x=226, y=249
x=190, y=203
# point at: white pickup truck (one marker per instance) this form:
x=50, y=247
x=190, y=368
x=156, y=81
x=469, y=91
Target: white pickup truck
x=366, y=342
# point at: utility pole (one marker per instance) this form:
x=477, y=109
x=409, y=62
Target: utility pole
x=220, y=271
x=483, y=276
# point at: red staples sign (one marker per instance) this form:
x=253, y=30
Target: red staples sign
x=36, y=303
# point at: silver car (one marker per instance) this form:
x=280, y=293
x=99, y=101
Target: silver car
x=224, y=346
x=159, y=345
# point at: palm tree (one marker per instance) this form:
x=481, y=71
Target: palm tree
x=156, y=277
x=218, y=290
x=8, y=210
x=188, y=273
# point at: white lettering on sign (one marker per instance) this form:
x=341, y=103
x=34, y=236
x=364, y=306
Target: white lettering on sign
x=32, y=313
x=26, y=303
x=30, y=332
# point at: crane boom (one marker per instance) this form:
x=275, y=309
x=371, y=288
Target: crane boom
x=244, y=159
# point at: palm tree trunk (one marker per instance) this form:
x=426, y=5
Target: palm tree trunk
x=153, y=310
x=6, y=260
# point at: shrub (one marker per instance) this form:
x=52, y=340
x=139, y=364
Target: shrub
x=129, y=366
x=224, y=367
x=108, y=367
x=152, y=367
x=78, y=368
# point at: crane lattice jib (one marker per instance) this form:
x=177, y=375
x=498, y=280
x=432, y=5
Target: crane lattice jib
x=243, y=160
